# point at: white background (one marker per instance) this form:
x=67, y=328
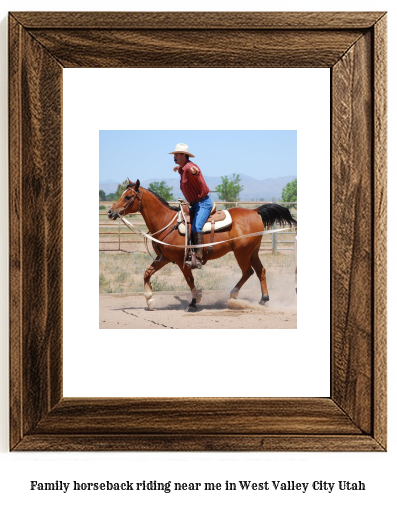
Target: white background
x=16, y=470
x=226, y=362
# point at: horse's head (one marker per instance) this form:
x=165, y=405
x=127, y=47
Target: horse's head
x=129, y=202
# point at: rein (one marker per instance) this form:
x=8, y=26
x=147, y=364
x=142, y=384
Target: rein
x=132, y=227
x=147, y=236
x=136, y=194
x=164, y=228
x=152, y=234
x=204, y=245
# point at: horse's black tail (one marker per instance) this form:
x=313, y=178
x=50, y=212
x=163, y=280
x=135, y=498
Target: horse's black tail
x=273, y=212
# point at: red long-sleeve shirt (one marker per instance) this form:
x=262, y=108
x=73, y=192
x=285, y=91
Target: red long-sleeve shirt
x=193, y=186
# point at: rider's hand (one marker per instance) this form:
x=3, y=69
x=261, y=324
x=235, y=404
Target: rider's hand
x=176, y=168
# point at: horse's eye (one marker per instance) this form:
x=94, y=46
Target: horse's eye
x=128, y=197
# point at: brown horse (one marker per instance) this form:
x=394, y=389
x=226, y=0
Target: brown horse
x=157, y=214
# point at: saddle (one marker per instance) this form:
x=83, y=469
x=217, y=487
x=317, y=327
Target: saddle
x=186, y=211
x=221, y=219
x=217, y=220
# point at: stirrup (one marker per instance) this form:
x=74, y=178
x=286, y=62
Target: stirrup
x=197, y=266
x=195, y=263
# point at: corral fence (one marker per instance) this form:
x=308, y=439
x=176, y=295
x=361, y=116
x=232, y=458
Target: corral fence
x=115, y=236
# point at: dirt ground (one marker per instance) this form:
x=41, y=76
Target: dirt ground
x=216, y=311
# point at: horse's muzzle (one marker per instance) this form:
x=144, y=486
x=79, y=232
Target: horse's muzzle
x=111, y=215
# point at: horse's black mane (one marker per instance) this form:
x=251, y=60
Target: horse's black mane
x=175, y=208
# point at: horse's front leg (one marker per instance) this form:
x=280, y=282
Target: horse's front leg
x=196, y=293
x=156, y=265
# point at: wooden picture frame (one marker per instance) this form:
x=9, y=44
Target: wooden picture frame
x=353, y=46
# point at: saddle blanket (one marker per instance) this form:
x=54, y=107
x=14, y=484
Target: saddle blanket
x=219, y=224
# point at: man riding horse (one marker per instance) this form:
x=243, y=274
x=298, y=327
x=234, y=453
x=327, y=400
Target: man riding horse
x=196, y=192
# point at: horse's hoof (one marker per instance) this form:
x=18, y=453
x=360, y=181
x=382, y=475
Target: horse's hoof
x=150, y=304
x=192, y=306
x=234, y=294
x=264, y=300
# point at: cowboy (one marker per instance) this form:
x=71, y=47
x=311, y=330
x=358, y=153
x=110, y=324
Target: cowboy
x=196, y=192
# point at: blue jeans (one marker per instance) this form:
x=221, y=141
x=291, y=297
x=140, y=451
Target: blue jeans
x=201, y=211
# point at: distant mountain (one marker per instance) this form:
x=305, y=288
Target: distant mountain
x=256, y=189
x=108, y=188
x=253, y=188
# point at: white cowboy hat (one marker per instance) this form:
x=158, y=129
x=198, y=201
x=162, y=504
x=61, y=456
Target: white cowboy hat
x=182, y=148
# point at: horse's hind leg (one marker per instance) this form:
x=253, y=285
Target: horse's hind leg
x=157, y=264
x=245, y=266
x=261, y=274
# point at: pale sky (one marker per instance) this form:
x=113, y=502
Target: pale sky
x=143, y=154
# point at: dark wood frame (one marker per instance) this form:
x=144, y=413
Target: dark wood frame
x=353, y=46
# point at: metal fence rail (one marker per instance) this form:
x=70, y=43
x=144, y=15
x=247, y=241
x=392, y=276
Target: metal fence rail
x=274, y=242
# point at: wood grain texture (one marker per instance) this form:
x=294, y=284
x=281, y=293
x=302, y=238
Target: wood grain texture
x=352, y=297
x=174, y=416
x=380, y=230
x=196, y=48
x=202, y=20
x=204, y=443
x=15, y=225
x=41, y=89
x=353, y=45
x=36, y=234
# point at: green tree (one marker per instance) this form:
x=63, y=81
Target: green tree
x=112, y=197
x=102, y=195
x=162, y=189
x=121, y=188
x=229, y=190
x=290, y=193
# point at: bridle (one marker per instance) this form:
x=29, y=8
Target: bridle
x=131, y=202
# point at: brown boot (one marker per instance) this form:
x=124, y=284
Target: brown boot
x=199, y=240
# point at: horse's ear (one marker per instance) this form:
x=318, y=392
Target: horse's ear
x=137, y=185
x=129, y=181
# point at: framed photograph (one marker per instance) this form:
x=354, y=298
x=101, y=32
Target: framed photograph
x=263, y=161
x=353, y=47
